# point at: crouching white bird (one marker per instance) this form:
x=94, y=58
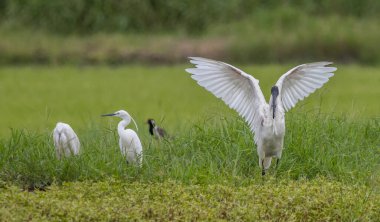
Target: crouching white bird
x=66, y=142
x=242, y=93
x=129, y=142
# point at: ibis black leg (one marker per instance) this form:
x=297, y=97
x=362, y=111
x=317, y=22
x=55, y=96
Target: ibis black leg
x=277, y=162
x=263, y=169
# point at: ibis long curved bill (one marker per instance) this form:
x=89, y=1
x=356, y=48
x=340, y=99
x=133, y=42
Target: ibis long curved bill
x=241, y=92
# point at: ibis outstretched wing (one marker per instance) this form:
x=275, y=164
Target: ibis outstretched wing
x=303, y=80
x=237, y=89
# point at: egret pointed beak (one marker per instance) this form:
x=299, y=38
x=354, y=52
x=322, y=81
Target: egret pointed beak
x=274, y=92
x=111, y=114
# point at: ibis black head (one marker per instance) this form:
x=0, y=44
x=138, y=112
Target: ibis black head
x=151, y=125
x=151, y=122
x=274, y=91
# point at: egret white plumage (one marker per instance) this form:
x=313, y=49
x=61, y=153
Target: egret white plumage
x=241, y=92
x=155, y=130
x=129, y=142
x=66, y=142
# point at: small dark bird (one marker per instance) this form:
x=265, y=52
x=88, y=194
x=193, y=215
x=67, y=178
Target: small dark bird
x=156, y=131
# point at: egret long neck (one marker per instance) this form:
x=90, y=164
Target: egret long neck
x=121, y=126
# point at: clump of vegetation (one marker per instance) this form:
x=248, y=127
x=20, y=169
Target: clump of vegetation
x=267, y=199
x=81, y=16
x=129, y=31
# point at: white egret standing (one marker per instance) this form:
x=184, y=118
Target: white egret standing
x=242, y=93
x=66, y=142
x=129, y=142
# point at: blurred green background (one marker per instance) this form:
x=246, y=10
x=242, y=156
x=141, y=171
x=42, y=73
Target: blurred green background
x=73, y=60
x=76, y=59
x=157, y=31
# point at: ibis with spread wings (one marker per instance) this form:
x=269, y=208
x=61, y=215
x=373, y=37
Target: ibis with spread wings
x=241, y=92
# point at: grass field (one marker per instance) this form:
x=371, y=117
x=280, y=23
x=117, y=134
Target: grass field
x=332, y=148
x=35, y=98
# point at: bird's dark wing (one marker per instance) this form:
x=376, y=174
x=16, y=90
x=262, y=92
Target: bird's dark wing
x=161, y=132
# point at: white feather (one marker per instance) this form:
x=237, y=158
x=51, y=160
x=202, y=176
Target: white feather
x=129, y=142
x=242, y=93
x=236, y=88
x=303, y=80
x=66, y=142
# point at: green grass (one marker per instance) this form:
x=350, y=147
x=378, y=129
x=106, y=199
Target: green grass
x=215, y=151
x=331, y=147
x=35, y=98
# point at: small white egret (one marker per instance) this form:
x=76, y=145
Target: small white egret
x=242, y=93
x=129, y=142
x=155, y=130
x=66, y=142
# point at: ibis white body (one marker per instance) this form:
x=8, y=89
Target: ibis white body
x=129, y=142
x=271, y=134
x=66, y=142
x=241, y=92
